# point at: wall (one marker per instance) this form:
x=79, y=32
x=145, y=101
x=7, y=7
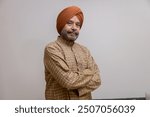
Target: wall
x=116, y=32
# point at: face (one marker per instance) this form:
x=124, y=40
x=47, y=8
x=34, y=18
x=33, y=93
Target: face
x=71, y=30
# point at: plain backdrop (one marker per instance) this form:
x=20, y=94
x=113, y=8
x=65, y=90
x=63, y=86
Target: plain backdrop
x=117, y=33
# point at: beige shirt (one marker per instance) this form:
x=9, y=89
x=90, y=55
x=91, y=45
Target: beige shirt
x=70, y=71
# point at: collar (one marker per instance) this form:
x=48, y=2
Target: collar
x=66, y=42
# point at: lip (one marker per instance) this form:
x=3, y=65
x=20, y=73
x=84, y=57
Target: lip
x=72, y=33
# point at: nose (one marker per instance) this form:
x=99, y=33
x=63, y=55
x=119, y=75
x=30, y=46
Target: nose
x=74, y=27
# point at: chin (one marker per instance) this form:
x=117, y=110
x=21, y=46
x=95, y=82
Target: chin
x=72, y=38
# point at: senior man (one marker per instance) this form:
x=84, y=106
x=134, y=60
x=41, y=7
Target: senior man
x=70, y=71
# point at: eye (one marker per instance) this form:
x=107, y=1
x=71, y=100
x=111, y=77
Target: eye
x=78, y=24
x=69, y=22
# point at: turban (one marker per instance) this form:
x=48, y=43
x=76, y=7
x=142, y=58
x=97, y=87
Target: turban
x=66, y=14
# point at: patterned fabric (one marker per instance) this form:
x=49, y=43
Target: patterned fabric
x=70, y=71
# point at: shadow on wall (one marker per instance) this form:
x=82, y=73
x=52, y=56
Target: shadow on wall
x=147, y=95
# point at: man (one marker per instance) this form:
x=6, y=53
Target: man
x=70, y=70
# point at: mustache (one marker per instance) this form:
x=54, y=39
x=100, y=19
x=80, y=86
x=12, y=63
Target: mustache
x=74, y=32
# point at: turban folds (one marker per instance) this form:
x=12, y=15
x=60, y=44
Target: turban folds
x=66, y=15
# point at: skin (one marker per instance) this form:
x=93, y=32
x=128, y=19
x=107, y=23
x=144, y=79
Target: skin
x=70, y=32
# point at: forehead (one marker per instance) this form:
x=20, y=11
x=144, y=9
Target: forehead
x=74, y=19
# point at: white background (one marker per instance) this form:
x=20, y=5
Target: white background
x=92, y=108
x=117, y=32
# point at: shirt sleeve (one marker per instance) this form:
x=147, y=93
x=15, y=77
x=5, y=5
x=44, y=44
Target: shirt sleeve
x=95, y=81
x=57, y=66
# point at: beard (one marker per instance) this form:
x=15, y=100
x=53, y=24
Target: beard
x=69, y=35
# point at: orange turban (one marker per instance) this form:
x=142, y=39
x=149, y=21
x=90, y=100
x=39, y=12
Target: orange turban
x=67, y=14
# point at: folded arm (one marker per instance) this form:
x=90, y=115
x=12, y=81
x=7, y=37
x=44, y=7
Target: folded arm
x=95, y=81
x=57, y=66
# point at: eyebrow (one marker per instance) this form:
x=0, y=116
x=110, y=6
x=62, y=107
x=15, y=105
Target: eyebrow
x=73, y=21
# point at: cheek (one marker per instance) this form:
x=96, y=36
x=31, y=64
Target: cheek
x=78, y=30
x=67, y=27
